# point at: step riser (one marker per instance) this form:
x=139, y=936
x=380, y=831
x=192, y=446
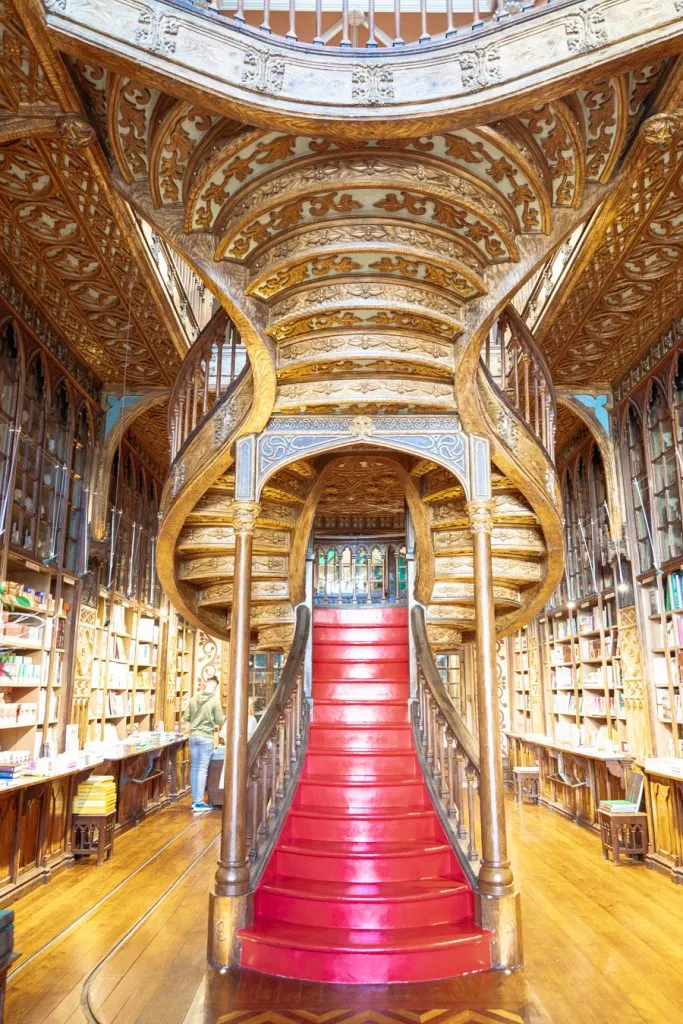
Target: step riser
x=322, y=737
x=357, y=868
x=361, y=691
x=363, y=635
x=343, y=651
x=362, y=798
x=367, y=969
x=360, y=617
x=360, y=714
x=339, y=671
x=361, y=915
x=361, y=766
x=364, y=830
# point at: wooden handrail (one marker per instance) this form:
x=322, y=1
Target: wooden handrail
x=285, y=686
x=276, y=753
x=207, y=373
x=437, y=687
x=447, y=753
x=517, y=370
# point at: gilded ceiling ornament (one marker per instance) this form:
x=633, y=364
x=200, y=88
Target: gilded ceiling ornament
x=75, y=132
x=662, y=130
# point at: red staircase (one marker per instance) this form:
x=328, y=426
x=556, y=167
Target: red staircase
x=362, y=887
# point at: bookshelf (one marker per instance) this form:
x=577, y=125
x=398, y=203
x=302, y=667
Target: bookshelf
x=584, y=690
x=520, y=681
x=36, y=615
x=185, y=668
x=650, y=422
x=450, y=669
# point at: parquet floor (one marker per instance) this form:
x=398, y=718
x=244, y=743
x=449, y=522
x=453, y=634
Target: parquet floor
x=125, y=943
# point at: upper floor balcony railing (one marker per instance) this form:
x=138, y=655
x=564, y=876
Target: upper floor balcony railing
x=209, y=369
x=369, y=24
x=515, y=364
x=192, y=301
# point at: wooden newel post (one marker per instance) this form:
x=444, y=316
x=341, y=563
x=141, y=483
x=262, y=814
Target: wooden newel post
x=229, y=900
x=499, y=906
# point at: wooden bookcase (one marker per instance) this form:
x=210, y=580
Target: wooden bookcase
x=185, y=678
x=519, y=680
x=649, y=420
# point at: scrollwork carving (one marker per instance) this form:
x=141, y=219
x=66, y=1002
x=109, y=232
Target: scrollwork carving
x=585, y=29
x=264, y=72
x=372, y=84
x=157, y=31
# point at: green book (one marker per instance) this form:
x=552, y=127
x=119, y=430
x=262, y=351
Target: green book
x=619, y=805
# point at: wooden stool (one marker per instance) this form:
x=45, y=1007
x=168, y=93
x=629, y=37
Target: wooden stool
x=94, y=832
x=622, y=832
x=526, y=784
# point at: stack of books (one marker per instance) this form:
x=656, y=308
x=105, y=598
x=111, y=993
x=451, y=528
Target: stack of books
x=97, y=795
x=13, y=763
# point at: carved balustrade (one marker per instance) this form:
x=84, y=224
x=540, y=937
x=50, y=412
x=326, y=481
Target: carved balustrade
x=276, y=752
x=448, y=754
x=349, y=24
x=515, y=365
x=212, y=365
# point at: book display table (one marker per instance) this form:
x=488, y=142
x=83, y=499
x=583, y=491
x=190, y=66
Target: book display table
x=148, y=775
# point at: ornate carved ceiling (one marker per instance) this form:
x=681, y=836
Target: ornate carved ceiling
x=626, y=285
x=66, y=236
x=360, y=265
x=151, y=431
x=361, y=486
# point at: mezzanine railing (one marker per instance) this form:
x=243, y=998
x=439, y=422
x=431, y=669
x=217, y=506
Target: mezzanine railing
x=354, y=24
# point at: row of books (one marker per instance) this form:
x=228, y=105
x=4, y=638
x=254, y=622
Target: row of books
x=589, y=704
x=593, y=676
x=18, y=713
x=16, y=668
x=121, y=704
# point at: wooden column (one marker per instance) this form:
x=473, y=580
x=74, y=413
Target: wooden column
x=498, y=904
x=495, y=875
x=228, y=906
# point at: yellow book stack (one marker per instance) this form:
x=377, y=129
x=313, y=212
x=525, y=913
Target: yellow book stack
x=97, y=795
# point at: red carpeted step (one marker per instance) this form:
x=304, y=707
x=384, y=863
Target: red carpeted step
x=363, y=862
x=351, y=671
x=384, y=906
x=360, y=617
x=364, y=691
x=362, y=886
x=361, y=957
x=366, y=652
x=361, y=737
x=366, y=765
x=366, y=712
x=371, y=827
x=358, y=635
x=359, y=797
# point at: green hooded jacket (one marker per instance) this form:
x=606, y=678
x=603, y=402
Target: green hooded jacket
x=204, y=713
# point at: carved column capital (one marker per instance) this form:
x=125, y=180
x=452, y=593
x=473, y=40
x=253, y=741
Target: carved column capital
x=480, y=513
x=244, y=515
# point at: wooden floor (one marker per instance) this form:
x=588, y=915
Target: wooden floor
x=125, y=943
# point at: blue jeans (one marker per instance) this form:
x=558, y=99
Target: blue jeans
x=201, y=749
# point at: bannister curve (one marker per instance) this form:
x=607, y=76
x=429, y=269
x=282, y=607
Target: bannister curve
x=276, y=753
x=427, y=665
x=448, y=755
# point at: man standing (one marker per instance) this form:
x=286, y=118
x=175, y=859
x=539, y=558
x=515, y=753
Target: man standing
x=205, y=715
